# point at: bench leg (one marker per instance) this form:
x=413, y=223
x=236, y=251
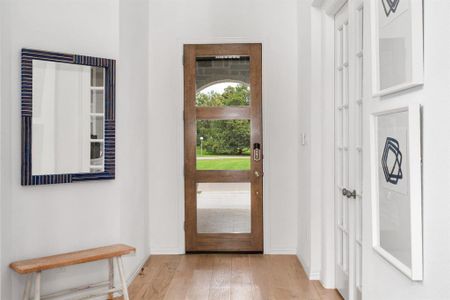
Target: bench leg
x=111, y=277
x=37, y=286
x=122, y=278
x=27, y=291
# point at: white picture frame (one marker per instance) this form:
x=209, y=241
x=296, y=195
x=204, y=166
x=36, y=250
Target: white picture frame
x=397, y=208
x=397, y=45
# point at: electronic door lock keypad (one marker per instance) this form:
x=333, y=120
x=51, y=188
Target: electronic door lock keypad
x=256, y=151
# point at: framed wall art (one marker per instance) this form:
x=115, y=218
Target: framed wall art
x=397, y=45
x=397, y=188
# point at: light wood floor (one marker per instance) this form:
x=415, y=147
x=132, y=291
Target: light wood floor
x=226, y=276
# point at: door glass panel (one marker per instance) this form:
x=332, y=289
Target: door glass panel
x=223, y=145
x=340, y=251
x=223, y=207
x=223, y=81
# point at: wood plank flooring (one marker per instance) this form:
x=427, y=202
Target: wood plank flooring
x=226, y=276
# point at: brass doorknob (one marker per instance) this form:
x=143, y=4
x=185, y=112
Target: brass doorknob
x=257, y=174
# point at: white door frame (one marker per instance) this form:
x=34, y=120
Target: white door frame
x=326, y=11
x=323, y=19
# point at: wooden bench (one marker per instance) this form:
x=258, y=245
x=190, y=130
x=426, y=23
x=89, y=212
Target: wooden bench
x=33, y=268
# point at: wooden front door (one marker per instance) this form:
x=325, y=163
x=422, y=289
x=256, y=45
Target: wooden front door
x=223, y=148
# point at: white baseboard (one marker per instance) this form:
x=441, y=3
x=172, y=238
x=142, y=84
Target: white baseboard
x=177, y=251
x=281, y=251
x=133, y=276
x=310, y=274
x=166, y=251
x=328, y=287
x=136, y=272
x=314, y=275
x=303, y=263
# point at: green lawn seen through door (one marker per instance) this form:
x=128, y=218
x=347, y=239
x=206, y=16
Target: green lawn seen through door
x=207, y=161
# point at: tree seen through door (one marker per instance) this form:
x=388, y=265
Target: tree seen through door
x=223, y=144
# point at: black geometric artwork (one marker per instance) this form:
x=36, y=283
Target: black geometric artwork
x=392, y=173
x=390, y=6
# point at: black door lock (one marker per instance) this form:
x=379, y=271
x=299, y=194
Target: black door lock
x=256, y=151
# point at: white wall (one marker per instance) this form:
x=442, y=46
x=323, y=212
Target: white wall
x=304, y=107
x=43, y=220
x=380, y=279
x=132, y=129
x=3, y=27
x=174, y=22
x=314, y=212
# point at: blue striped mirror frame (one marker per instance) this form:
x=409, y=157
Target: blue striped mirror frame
x=28, y=55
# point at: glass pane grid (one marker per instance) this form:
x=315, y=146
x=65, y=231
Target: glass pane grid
x=345, y=252
x=340, y=197
x=345, y=130
x=339, y=176
x=345, y=212
x=340, y=250
x=345, y=85
x=358, y=266
x=359, y=77
x=341, y=47
x=345, y=46
x=359, y=139
x=339, y=130
x=360, y=36
x=345, y=169
x=339, y=91
x=345, y=183
x=358, y=226
x=341, y=144
x=358, y=133
x=359, y=172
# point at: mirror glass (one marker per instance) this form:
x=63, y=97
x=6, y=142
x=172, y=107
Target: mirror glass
x=68, y=118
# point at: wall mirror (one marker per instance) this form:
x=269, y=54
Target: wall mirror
x=68, y=118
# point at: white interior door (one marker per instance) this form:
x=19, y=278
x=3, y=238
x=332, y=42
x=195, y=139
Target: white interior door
x=348, y=148
x=342, y=149
x=357, y=103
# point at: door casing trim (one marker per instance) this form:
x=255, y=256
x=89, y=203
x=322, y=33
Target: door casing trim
x=322, y=49
x=322, y=19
